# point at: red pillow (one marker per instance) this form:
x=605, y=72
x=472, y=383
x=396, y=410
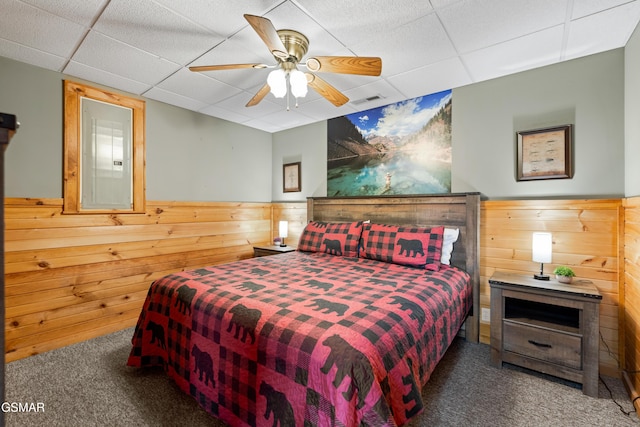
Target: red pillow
x=336, y=238
x=414, y=246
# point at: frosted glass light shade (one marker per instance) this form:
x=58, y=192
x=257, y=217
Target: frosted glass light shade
x=298, y=83
x=541, y=247
x=277, y=82
x=283, y=228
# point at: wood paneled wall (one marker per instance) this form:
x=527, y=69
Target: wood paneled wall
x=631, y=373
x=296, y=214
x=74, y=277
x=587, y=236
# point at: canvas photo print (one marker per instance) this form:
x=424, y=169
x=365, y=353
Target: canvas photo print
x=401, y=148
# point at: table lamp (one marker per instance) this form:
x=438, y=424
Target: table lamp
x=283, y=231
x=541, y=249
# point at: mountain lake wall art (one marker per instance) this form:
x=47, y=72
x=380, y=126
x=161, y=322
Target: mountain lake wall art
x=401, y=148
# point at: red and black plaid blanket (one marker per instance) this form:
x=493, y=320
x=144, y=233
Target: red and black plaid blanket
x=303, y=339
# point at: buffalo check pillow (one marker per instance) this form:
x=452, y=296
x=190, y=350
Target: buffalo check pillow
x=335, y=238
x=414, y=246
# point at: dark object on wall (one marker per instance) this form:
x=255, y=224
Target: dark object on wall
x=8, y=126
x=545, y=153
x=291, y=176
x=8, y=121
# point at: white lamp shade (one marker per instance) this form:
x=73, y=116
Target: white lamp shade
x=541, y=247
x=277, y=83
x=283, y=228
x=298, y=83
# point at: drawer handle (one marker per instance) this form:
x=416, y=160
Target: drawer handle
x=539, y=344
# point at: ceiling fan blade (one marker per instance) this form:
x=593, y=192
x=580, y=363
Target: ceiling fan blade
x=329, y=92
x=361, y=65
x=268, y=34
x=264, y=90
x=226, y=67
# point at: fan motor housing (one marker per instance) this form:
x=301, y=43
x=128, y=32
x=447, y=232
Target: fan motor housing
x=296, y=44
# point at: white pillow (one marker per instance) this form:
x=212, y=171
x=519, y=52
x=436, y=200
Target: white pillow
x=450, y=237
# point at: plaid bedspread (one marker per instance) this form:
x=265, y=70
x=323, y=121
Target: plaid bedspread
x=302, y=339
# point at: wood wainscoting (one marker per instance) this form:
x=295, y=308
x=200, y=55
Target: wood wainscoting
x=631, y=372
x=74, y=277
x=293, y=212
x=587, y=236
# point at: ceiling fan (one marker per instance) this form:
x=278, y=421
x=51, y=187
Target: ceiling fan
x=288, y=47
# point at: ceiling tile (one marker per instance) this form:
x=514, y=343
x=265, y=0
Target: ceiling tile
x=101, y=52
x=223, y=113
x=321, y=109
x=281, y=120
x=174, y=99
x=197, y=86
x=603, y=31
x=243, y=47
x=54, y=35
x=81, y=12
x=26, y=54
x=433, y=78
x=221, y=17
x=76, y=69
x=238, y=50
x=437, y=4
x=379, y=88
x=524, y=53
x=156, y=29
x=476, y=24
x=413, y=45
x=583, y=8
x=289, y=16
x=353, y=21
x=238, y=104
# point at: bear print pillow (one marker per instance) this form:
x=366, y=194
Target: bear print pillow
x=414, y=246
x=335, y=238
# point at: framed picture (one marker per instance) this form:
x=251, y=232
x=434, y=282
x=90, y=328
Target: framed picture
x=291, y=177
x=545, y=153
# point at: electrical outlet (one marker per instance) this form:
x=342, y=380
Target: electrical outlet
x=485, y=315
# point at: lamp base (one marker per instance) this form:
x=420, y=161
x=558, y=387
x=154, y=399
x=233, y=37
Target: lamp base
x=541, y=277
x=282, y=245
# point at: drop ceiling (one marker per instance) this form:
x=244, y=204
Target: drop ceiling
x=145, y=47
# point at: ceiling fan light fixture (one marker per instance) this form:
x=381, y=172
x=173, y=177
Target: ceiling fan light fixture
x=288, y=48
x=277, y=82
x=298, y=83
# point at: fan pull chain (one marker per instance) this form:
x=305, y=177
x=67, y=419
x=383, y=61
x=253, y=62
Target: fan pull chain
x=288, y=82
x=288, y=91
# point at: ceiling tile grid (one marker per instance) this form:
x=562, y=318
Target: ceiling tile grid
x=118, y=58
x=32, y=27
x=145, y=47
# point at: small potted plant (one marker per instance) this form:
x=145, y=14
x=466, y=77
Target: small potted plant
x=564, y=274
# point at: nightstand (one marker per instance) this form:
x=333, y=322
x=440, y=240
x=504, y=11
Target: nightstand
x=546, y=326
x=271, y=250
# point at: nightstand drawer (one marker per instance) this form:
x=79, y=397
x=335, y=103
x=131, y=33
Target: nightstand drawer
x=543, y=344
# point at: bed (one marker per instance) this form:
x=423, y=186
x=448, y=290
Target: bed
x=344, y=331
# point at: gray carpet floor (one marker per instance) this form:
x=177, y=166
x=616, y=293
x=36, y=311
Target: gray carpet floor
x=89, y=384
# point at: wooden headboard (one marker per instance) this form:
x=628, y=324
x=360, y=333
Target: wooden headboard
x=459, y=210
